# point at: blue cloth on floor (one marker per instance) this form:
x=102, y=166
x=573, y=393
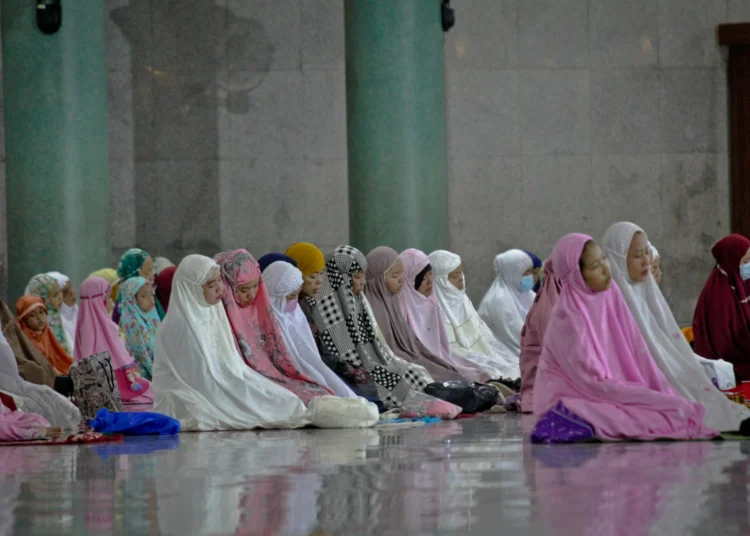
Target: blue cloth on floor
x=426, y=420
x=134, y=423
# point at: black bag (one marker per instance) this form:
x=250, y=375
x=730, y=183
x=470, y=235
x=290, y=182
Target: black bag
x=95, y=386
x=63, y=385
x=472, y=397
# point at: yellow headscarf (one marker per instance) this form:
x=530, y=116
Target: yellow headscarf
x=309, y=258
x=110, y=274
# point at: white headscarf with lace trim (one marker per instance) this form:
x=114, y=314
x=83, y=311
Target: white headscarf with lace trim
x=669, y=348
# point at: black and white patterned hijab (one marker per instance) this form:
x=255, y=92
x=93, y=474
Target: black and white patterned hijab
x=341, y=317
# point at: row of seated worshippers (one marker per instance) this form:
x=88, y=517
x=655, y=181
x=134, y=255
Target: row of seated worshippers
x=594, y=360
x=306, y=332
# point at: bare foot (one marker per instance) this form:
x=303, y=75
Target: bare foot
x=54, y=432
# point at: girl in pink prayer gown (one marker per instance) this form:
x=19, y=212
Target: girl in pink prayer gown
x=596, y=377
x=532, y=334
x=423, y=316
x=96, y=332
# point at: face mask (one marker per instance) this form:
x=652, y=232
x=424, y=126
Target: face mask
x=291, y=306
x=527, y=283
x=745, y=271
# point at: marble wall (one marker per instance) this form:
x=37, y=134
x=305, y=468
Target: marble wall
x=580, y=113
x=228, y=127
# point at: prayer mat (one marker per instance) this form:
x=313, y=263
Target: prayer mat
x=76, y=439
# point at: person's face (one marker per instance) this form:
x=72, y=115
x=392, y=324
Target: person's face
x=746, y=258
x=595, y=268
x=656, y=270
x=247, y=291
x=147, y=270
x=110, y=304
x=145, y=298
x=425, y=289
x=456, y=277
x=638, y=258
x=69, y=295
x=394, y=277
x=358, y=283
x=311, y=283
x=55, y=297
x=36, y=319
x=213, y=289
x=294, y=295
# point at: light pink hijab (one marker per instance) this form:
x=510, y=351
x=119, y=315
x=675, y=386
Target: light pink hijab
x=532, y=334
x=422, y=314
x=596, y=362
x=95, y=332
x=424, y=318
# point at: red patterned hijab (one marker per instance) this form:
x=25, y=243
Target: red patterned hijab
x=256, y=328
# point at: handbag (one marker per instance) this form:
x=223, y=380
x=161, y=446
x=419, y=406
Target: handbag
x=419, y=405
x=470, y=396
x=94, y=385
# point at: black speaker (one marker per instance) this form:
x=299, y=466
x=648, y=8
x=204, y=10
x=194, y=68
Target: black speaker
x=448, y=15
x=48, y=15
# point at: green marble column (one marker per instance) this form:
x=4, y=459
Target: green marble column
x=395, y=92
x=56, y=146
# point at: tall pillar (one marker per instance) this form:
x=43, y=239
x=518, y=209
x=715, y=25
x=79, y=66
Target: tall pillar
x=56, y=141
x=395, y=93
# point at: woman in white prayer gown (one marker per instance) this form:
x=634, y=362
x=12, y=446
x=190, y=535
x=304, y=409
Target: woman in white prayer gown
x=467, y=332
x=625, y=243
x=283, y=281
x=32, y=398
x=507, y=302
x=201, y=380
x=69, y=308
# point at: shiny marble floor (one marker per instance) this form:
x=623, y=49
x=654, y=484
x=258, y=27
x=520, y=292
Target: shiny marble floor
x=474, y=476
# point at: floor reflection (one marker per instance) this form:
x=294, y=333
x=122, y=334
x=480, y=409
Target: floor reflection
x=476, y=475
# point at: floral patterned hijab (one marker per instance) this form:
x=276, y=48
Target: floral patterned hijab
x=130, y=266
x=41, y=285
x=139, y=326
x=257, y=330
